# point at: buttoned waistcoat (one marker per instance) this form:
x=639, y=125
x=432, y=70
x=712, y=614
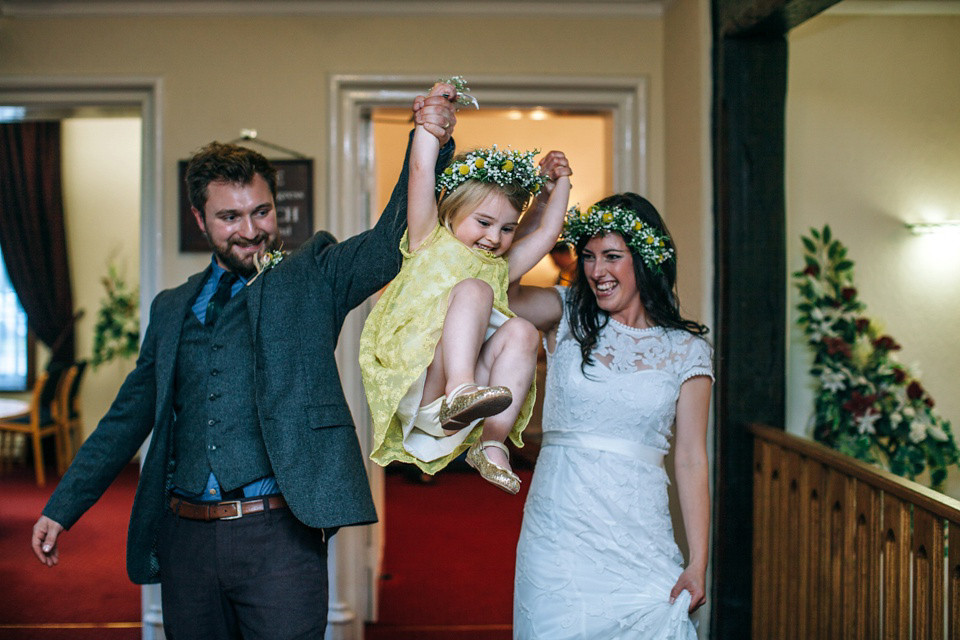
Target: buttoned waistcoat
x=296, y=311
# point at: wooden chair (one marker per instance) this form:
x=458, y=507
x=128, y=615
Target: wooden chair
x=67, y=413
x=39, y=421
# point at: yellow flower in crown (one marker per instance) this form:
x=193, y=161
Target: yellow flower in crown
x=493, y=165
x=649, y=243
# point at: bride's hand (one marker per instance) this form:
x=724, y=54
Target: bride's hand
x=693, y=581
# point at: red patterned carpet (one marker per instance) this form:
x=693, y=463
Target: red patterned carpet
x=448, y=559
x=87, y=596
x=448, y=562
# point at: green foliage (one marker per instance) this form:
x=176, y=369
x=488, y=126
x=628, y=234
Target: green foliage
x=117, y=332
x=867, y=404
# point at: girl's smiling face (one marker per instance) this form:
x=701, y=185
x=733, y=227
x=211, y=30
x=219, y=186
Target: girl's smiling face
x=490, y=226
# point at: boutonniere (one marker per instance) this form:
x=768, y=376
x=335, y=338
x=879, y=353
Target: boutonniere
x=266, y=262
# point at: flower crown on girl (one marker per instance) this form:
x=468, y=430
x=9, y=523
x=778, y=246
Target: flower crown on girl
x=494, y=165
x=649, y=243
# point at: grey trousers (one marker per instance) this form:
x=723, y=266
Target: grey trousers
x=263, y=576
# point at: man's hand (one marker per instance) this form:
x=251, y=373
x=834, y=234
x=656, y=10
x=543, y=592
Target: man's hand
x=45, y=534
x=437, y=112
x=554, y=165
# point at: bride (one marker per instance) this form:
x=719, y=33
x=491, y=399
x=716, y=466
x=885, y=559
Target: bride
x=597, y=557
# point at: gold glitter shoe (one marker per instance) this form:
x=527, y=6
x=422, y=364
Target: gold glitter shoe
x=464, y=408
x=491, y=471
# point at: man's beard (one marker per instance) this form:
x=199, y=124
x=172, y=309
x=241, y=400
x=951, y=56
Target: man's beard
x=227, y=258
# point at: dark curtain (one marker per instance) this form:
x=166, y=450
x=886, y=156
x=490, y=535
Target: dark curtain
x=32, y=234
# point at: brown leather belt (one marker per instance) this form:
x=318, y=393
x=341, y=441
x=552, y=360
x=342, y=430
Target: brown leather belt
x=229, y=510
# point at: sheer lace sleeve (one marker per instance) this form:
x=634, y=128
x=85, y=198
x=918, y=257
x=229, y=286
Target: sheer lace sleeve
x=698, y=360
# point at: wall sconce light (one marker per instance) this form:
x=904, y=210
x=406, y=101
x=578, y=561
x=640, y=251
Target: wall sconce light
x=944, y=227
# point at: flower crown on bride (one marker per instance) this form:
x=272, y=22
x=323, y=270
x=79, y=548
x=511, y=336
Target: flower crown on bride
x=650, y=244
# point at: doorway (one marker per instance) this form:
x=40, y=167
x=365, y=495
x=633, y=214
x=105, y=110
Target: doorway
x=125, y=108
x=359, y=106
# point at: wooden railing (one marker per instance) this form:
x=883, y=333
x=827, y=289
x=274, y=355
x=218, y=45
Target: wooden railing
x=844, y=550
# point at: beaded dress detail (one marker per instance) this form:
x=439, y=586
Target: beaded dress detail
x=597, y=557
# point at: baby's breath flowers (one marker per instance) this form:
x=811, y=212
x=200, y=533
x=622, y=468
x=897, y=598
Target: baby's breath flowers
x=494, y=165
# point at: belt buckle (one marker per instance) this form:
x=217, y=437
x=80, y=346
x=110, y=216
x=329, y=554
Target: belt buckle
x=236, y=503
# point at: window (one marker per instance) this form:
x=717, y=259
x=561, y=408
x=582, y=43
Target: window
x=13, y=337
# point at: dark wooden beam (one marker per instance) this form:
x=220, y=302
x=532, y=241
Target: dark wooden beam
x=749, y=103
x=738, y=18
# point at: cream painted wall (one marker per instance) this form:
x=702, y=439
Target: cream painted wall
x=101, y=201
x=687, y=202
x=222, y=74
x=873, y=141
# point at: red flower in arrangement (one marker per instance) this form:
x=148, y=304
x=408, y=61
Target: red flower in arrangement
x=867, y=404
x=858, y=404
x=886, y=343
x=914, y=390
x=837, y=345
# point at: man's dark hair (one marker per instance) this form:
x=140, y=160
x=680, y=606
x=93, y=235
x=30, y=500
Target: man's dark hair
x=218, y=162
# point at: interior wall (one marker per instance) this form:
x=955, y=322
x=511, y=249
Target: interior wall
x=873, y=142
x=101, y=202
x=686, y=205
x=272, y=73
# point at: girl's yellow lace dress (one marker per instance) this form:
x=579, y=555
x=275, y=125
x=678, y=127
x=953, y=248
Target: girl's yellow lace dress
x=398, y=342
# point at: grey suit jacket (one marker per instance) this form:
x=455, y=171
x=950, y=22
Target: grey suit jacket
x=296, y=311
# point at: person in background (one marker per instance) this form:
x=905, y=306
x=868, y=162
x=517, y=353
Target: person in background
x=253, y=461
x=565, y=260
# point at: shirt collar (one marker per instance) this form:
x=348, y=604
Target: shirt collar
x=218, y=271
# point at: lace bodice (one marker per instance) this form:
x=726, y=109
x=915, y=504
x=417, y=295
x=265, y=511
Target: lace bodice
x=633, y=386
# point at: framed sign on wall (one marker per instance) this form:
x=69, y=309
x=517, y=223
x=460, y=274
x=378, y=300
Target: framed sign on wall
x=294, y=206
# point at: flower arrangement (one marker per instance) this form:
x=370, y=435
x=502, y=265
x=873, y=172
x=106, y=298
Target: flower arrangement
x=117, y=331
x=267, y=261
x=650, y=244
x=494, y=165
x=867, y=404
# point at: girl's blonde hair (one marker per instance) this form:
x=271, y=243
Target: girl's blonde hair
x=471, y=193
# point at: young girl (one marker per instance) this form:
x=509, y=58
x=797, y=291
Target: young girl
x=441, y=351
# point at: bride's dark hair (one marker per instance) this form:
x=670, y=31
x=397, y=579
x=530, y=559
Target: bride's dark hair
x=657, y=290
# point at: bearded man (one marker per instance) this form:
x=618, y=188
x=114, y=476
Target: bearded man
x=254, y=460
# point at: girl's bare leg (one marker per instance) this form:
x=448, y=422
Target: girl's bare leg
x=508, y=358
x=457, y=352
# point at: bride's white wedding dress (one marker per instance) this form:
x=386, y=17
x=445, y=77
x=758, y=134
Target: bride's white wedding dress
x=597, y=557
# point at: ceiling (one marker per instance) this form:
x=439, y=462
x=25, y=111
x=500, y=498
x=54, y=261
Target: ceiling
x=307, y=7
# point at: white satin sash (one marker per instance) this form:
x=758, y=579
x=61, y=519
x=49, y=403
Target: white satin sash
x=619, y=446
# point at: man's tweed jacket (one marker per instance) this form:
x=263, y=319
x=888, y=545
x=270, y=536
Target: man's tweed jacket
x=296, y=311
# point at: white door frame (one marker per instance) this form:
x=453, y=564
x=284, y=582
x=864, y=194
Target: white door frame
x=144, y=93
x=355, y=552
